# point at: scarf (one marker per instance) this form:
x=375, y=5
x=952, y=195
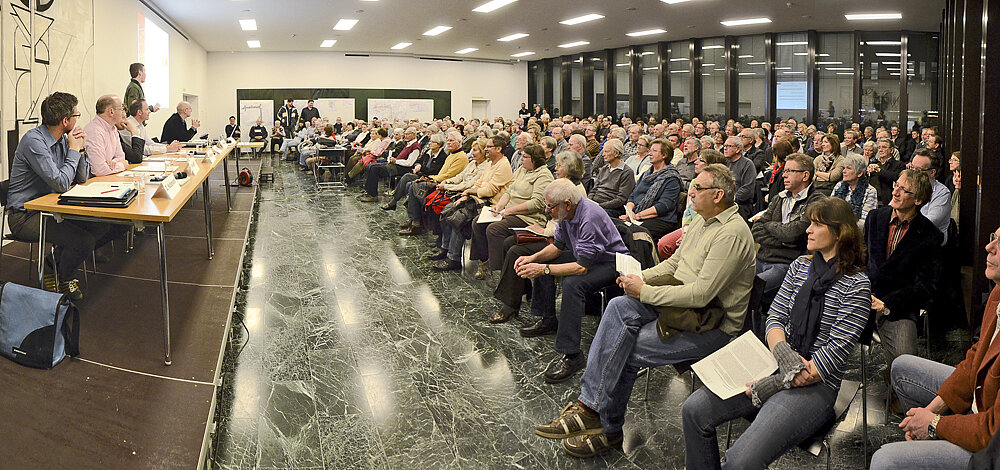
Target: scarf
x=825, y=162
x=857, y=198
x=775, y=172
x=655, y=181
x=808, y=305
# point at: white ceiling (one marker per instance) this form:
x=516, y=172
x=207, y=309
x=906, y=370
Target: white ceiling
x=301, y=25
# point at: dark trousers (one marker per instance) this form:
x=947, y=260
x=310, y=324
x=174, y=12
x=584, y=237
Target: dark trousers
x=377, y=171
x=276, y=144
x=512, y=287
x=574, y=300
x=416, y=206
x=487, y=239
x=76, y=239
x=403, y=186
x=658, y=228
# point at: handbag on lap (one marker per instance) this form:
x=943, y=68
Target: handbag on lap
x=37, y=328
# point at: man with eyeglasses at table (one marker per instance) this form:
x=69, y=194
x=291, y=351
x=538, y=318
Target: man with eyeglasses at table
x=104, y=148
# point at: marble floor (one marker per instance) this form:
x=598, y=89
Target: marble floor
x=353, y=353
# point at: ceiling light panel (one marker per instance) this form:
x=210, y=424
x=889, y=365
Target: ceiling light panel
x=436, y=30
x=884, y=43
x=873, y=16
x=581, y=19
x=328, y=43
x=671, y=2
x=792, y=43
x=513, y=37
x=522, y=54
x=746, y=21
x=466, y=50
x=345, y=24
x=574, y=44
x=402, y=45
x=492, y=5
x=253, y=44
x=647, y=32
x=715, y=46
x=248, y=25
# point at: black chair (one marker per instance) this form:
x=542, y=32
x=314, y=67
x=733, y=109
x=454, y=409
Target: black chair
x=4, y=187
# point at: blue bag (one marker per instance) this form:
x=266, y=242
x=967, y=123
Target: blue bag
x=37, y=328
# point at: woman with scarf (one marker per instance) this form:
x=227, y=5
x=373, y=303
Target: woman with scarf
x=829, y=164
x=654, y=199
x=854, y=188
x=812, y=329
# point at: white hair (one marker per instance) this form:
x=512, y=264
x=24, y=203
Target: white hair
x=562, y=190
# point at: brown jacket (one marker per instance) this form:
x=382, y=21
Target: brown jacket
x=979, y=373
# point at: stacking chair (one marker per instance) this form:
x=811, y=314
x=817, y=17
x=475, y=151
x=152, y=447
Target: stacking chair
x=4, y=187
x=335, y=165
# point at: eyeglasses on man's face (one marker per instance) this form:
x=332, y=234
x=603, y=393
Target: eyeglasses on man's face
x=698, y=188
x=896, y=186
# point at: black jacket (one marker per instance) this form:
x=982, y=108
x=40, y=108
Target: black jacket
x=176, y=129
x=905, y=282
x=885, y=177
x=308, y=114
x=258, y=133
x=233, y=131
x=783, y=242
x=133, y=149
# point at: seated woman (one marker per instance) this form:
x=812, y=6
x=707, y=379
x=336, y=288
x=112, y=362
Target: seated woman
x=829, y=164
x=614, y=182
x=639, y=162
x=812, y=329
x=371, y=151
x=775, y=174
x=427, y=165
x=512, y=287
x=277, y=135
x=521, y=205
x=418, y=209
x=548, y=144
x=854, y=187
x=654, y=199
x=669, y=243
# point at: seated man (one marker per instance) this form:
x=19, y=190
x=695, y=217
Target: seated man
x=377, y=146
x=951, y=412
x=614, y=181
x=258, y=133
x=176, y=127
x=104, y=148
x=310, y=148
x=781, y=230
x=138, y=113
x=48, y=160
x=938, y=208
x=233, y=129
x=453, y=165
x=294, y=141
x=901, y=244
x=397, y=164
x=682, y=309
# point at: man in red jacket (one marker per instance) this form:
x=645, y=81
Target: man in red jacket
x=961, y=417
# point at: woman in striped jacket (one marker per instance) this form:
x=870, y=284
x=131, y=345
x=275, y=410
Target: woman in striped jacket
x=812, y=328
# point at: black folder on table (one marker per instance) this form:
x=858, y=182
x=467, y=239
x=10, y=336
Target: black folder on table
x=119, y=199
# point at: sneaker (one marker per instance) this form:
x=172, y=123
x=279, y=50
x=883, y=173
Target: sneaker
x=447, y=265
x=591, y=445
x=72, y=289
x=573, y=420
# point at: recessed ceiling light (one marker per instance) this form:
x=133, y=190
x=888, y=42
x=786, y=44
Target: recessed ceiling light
x=646, y=69
x=248, y=25
x=792, y=43
x=874, y=16
x=621, y=65
x=328, y=43
x=680, y=71
x=837, y=69
x=345, y=24
x=674, y=1
x=782, y=68
x=582, y=19
x=574, y=44
x=746, y=56
x=708, y=65
x=646, y=32
x=845, y=73
x=513, y=37
x=719, y=70
x=801, y=53
x=745, y=22
x=646, y=53
x=747, y=73
x=822, y=55
x=253, y=44
x=679, y=59
x=522, y=54
x=437, y=30
x=890, y=63
x=402, y=45
x=466, y=50
x=793, y=73
x=706, y=73
x=492, y=5
x=755, y=63
x=714, y=46
x=884, y=43
x=888, y=54
x=834, y=62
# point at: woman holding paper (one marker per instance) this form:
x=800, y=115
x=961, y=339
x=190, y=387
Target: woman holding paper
x=812, y=328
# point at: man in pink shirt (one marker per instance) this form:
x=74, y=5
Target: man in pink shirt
x=104, y=148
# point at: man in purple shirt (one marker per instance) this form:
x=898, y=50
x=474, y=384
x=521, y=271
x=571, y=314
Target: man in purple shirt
x=104, y=148
x=583, y=254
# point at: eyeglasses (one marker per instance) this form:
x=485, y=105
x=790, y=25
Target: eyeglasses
x=551, y=207
x=911, y=166
x=696, y=187
x=896, y=186
x=789, y=170
x=732, y=146
x=993, y=238
x=74, y=115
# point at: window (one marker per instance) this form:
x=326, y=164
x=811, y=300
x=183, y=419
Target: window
x=750, y=75
x=835, y=72
x=154, y=54
x=599, y=82
x=921, y=80
x=649, y=65
x=575, y=82
x=713, y=79
x=556, y=88
x=880, y=64
x=623, y=85
x=679, y=67
x=539, y=84
x=791, y=88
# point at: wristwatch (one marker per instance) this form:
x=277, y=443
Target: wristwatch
x=547, y=270
x=932, y=428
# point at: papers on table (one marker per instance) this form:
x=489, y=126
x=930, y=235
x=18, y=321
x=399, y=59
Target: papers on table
x=154, y=167
x=98, y=190
x=488, y=215
x=727, y=371
x=631, y=216
x=626, y=264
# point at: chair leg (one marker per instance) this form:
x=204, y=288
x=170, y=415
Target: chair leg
x=927, y=333
x=646, y=392
x=864, y=405
x=693, y=379
x=829, y=453
x=729, y=433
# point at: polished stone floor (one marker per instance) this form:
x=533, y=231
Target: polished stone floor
x=355, y=354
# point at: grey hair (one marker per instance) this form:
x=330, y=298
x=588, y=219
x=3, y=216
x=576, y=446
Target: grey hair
x=572, y=164
x=722, y=178
x=858, y=162
x=707, y=142
x=852, y=133
x=411, y=129
x=562, y=190
x=434, y=128
x=439, y=138
x=529, y=139
x=549, y=142
x=398, y=130
x=693, y=139
x=870, y=143
x=453, y=133
x=579, y=138
x=616, y=145
x=619, y=133
x=735, y=140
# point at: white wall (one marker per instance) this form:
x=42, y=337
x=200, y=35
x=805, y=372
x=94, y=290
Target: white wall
x=505, y=85
x=116, y=40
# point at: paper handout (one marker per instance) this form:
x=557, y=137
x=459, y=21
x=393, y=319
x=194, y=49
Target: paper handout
x=727, y=371
x=626, y=264
x=487, y=215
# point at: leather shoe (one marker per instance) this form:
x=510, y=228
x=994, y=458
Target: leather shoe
x=406, y=224
x=414, y=229
x=437, y=254
x=388, y=206
x=447, y=265
x=539, y=329
x=503, y=315
x=564, y=368
x=367, y=198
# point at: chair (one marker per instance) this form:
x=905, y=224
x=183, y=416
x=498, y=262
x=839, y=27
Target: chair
x=4, y=187
x=865, y=341
x=334, y=163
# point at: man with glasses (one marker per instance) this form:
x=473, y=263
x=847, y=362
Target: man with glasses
x=902, y=244
x=104, y=148
x=745, y=174
x=682, y=309
x=938, y=208
x=750, y=150
x=884, y=170
x=692, y=147
x=631, y=146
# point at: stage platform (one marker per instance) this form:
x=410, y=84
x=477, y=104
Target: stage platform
x=118, y=405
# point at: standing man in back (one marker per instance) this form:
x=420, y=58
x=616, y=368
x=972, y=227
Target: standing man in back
x=134, y=89
x=289, y=117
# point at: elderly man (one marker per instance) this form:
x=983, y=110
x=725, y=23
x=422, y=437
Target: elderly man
x=614, y=182
x=951, y=412
x=750, y=150
x=134, y=92
x=138, y=113
x=631, y=146
x=583, y=255
x=104, y=148
x=682, y=309
x=781, y=229
x=397, y=164
x=522, y=140
x=744, y=173
x=258, y=133
x=176, y=127
x=884, y=170
x=850, y=143
x=561, y=144
x=938, y=208
x=685, y=166
x=578, y=144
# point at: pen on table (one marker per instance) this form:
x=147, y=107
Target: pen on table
x=110, y=190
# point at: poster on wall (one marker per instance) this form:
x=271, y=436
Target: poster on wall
x=792, y=95
x=391, y=110
x=331, y=108
x=252, y=110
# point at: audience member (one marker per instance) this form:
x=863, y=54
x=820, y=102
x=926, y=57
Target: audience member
x=854, y=187
x=829, y=164
x=176, y=127
x=654, y=199
x=885, y=171
x=233, y=129
x=614, y=182
x=745, y=173
x=685, y=166
x=397, y=164
x=289, y=117
x=669, y=243
x=138, y=113
x=938, y=208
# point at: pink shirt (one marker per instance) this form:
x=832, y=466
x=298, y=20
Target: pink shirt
x=104, y=149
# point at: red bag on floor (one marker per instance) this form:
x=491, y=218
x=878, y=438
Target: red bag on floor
x=436, y=201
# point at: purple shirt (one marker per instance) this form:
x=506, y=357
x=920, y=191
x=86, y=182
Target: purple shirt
x=591, y=235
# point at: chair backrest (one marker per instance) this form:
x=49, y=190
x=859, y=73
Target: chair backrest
x=869, y=332
x=753, y=306
x=4, y=186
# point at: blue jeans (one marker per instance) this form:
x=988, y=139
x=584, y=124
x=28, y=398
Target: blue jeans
x=626, y=341
x=786, y=419
x=288, y=143
x=916, y=381
x=306, y=153
x=452, y=240
x=772, y=274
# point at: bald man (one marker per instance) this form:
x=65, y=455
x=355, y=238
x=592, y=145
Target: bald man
x=104, y=149
x=176, y=127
